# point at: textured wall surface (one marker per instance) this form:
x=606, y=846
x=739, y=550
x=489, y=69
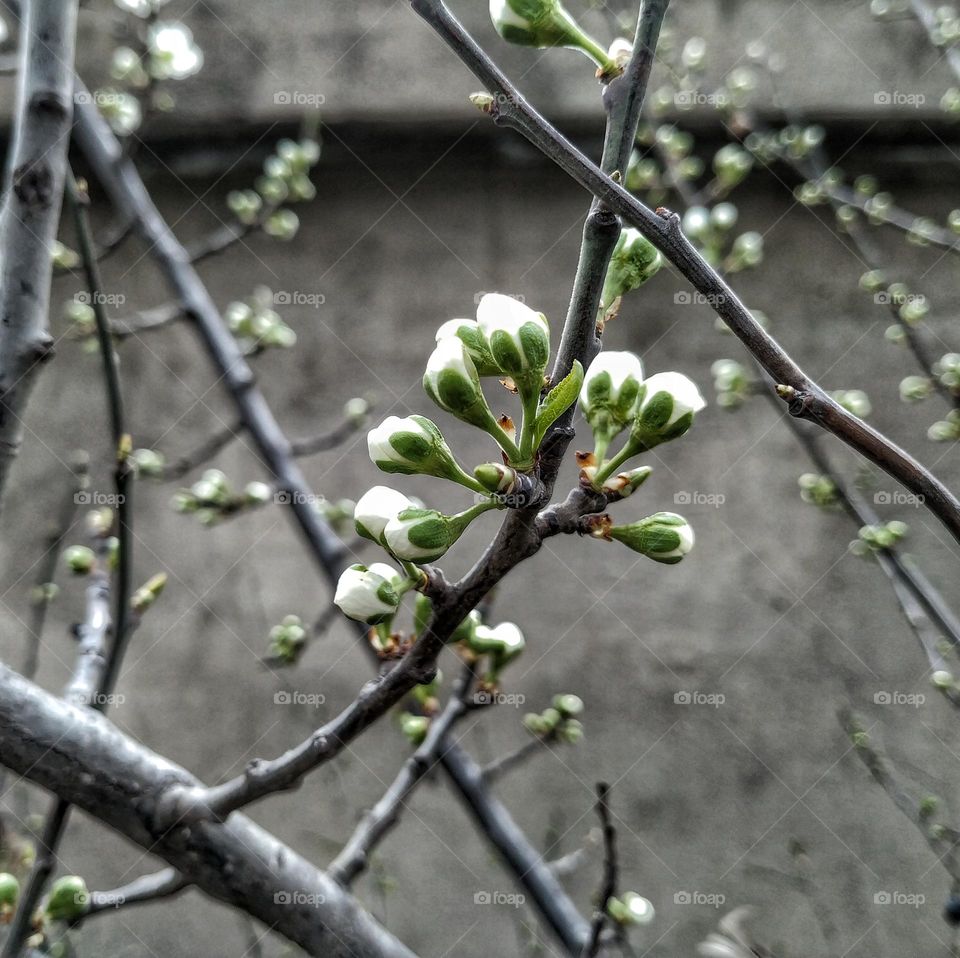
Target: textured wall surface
x=769, y=612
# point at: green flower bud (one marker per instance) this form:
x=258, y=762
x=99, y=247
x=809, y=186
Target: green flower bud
x=665, y=409
x=502, y=643
x=731, y=164
x=257, y=493
x=452, y=382
x=495, y=477
x=287, y=639
x=415, y=446
x=609, y=394
x=942, y=679
x=915, y=388
x=855, y=401
x=375, y=509
x=282, y=224
x=149, y=463
x=626, y=483
x=414, y=727
x=369, y=594
x=569, y=706
x=79, y=559
x=68, y=899
x=9, y=890
x=545, y=23
x=478, y=349
x=663, y=537
x=519, y=338
x=571, y=731
x=424, y=535
x=63, y=257
x=148, y=593
x=630, y=909
x=634, y=260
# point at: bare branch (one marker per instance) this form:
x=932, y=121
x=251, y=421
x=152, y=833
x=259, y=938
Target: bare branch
x=79, y=755
x=31, y=209
x=610, y=871
x=148, y=888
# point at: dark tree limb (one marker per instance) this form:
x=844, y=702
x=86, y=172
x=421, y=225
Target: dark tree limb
x=141, y=891
x=608, y=887
x=805, y=398
x=33, y=192
x=82, y=757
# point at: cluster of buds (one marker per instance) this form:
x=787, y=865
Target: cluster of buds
x=256, y=324
x=81, y=323
x=630, y=909
x=546, y=23
x=818, y=490
x=616, y=397
x=212, y=498
x=732, y=383
x=285, y=179
x=287, y=640
x=876, y=538
x=946, y=430
x=915, y=388
x=947, y=371
x=560, y=722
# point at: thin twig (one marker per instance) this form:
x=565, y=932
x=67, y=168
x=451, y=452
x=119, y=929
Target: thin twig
x=608, y=887
x=141, y=891
x=355, y=855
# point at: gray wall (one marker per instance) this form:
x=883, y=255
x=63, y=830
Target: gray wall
x=768, y=611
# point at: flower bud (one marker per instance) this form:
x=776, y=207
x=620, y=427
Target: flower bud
x=79, y=559
x=519, y=338
x=545, y=23
x=634, y=260
x=609, y=393
x=423, y=535
x=9, y=890
x=68, y=899
x=626, y=483
x=452, y=382
x=569, y=706
x=496, y=477
x=502, y=643
x=414, y=446
x=375, y=509
x=663, y=537
x=287, y=639
x=665, y=409
x=369, y=594
x=414, y=727
x=148, y=593
x=478, y=349
x=631, y=909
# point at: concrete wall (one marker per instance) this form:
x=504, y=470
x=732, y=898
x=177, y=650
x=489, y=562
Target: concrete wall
x=769, y=611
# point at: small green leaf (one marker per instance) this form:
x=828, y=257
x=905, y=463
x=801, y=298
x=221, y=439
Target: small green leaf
x=557, y=402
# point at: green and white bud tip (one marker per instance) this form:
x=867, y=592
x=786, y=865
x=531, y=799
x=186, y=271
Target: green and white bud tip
x=609, y=394
x=415, y=446
x=634, y=260
x=665, y=409
x=369, y=594
x=424, y=535
x=518, y=338
x=468, y=332
x=664, y=537
x=375, y=508
x=546, y=23
x=9, y=890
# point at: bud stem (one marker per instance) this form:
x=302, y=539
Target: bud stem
x=530, y=399
x=611, y=465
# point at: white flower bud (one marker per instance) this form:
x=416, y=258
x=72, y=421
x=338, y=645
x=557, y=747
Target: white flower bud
x=376, y=508
x=609, y=393
x=369, y=594
x=451, y=381
x=634, y=260
x=519, y=337
x=478, y=349
x=415, y=446
x=665, y=410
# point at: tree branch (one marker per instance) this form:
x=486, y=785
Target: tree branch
x=82, y=757
x=31, y=209
x=610, y=871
